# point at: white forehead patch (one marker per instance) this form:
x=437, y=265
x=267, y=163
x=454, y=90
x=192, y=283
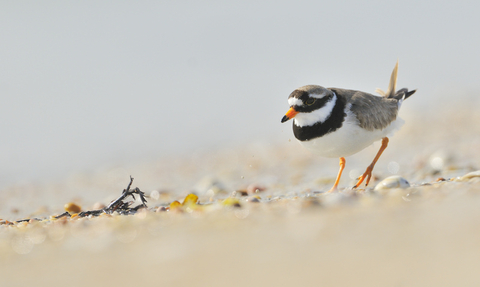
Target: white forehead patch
x=319, y=115
x=295, y=102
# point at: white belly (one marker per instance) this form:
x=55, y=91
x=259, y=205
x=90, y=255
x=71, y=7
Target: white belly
x=349, y=139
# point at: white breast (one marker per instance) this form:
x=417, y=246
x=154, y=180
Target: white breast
x=350, y=138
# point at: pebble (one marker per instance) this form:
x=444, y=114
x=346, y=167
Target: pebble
x=190, y=199
x=231, y=201
x=254, y=198
x=175, y=205
x=391, y=182
x=241, y=192
x=72, y=207
x=254, y=188
x=161, y=208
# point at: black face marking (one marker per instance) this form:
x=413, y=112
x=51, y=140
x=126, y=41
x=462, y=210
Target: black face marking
x=305, y=98
x=334, y=122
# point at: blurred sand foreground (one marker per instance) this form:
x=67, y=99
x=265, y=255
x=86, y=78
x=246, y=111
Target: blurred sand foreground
x=290, y=234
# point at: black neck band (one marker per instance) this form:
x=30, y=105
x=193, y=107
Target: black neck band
x=332, y=123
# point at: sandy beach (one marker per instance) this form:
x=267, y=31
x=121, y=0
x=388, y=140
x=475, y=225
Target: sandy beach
x=263, y=218
x=186, y=98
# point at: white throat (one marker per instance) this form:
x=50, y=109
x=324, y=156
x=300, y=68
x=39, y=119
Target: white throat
x=320, y=115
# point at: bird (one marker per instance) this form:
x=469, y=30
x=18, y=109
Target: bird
x=334, y=122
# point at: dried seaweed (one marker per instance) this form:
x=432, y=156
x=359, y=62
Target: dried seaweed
x=124, y=207
x=119, y=205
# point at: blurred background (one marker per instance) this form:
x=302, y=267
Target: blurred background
x=91, y=84
x=187, y=96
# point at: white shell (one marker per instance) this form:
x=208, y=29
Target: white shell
x=470, y=175
x=391, y=182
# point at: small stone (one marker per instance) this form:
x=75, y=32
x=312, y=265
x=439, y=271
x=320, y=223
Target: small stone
x=241, y=192
x=175, y=206
x=190, y=199
x=72, y=208
x=254, y=188
x=254, y=198
x=161, y=209
x=391, y=182
x=231, y=201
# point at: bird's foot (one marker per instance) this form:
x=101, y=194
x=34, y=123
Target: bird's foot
x=367, y=175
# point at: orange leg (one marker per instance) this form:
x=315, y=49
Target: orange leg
x=342, y=166
x=368, y=173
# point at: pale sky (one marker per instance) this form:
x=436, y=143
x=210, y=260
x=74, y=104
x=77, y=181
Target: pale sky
x=89, y=83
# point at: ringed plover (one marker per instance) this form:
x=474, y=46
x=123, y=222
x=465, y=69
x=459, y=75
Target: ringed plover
x=336, y=122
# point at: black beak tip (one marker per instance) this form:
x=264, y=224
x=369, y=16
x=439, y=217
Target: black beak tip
x=285, y=118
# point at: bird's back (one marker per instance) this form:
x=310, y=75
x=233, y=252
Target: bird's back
x=372, y=112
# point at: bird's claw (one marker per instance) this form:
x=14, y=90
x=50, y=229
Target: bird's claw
x=366, y=176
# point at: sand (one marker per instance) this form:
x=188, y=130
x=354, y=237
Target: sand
x=288, y=233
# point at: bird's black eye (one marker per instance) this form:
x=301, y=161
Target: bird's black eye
x=310, y=101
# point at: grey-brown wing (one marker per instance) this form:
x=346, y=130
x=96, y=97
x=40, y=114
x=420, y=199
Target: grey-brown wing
x=371, y=111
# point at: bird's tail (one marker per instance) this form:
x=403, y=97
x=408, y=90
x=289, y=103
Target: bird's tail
x=392, y=86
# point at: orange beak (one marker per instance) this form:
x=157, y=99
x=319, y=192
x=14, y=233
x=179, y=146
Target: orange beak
x=291, y=113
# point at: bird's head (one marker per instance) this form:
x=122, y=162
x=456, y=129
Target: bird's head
x=309, y=105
